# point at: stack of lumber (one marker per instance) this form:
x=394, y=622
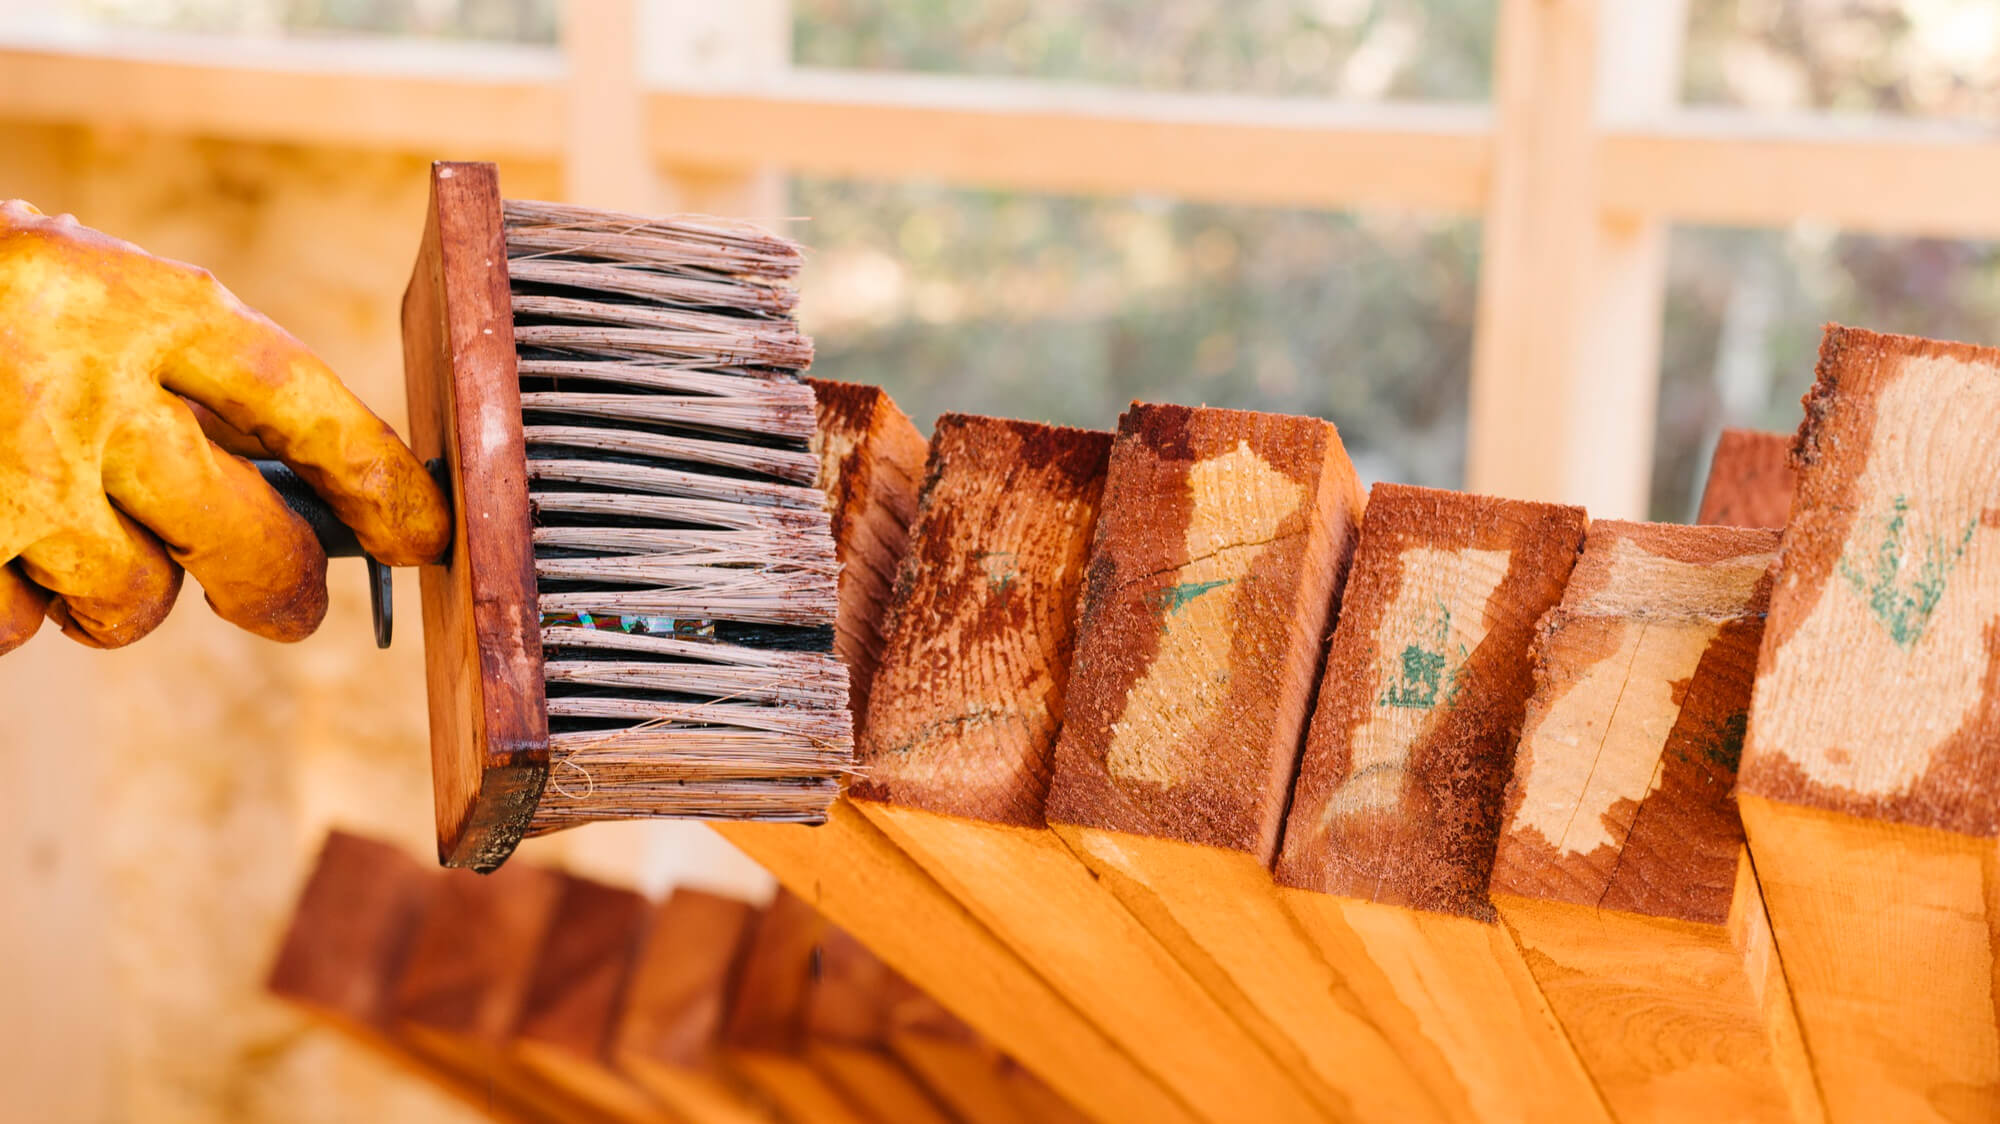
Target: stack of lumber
x=539, y=997
x=1212, y=792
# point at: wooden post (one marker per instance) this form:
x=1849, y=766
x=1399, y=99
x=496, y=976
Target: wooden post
x=1396, y=813
x=1622, y=870
x=764, y=1037
x=570, y=1011
x=1868, y=785
x=847, y=1033
x=1224, y=539
x=962, y=730
x=605, y=159
x=668, y=1036
x=1566, y=351
x=1749, y=480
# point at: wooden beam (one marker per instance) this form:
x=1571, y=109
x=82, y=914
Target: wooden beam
x=1749, y=480
x=1224, y=539
x=1868, y=788
x=764, y=1035
x=1394, y=820
x=1622, y=870
x=976, y=1081
x=674, y=1008
x=570, y=1011
x=605, y=160
x=344, y=949
x=871, y=466
x=467, y=973
x=865, y=884
x=847, y=1033
x=962, y=729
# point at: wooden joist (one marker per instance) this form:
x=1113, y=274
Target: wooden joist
x=1390, y=840
x=847, y=1033
x=764, y=1037
x=675, y=1003
x=1622, y=870
x=1224, y=539
x=961, y=738
x=571, y=1009
x=978, y=1083
x=1868, y=786
x=1749, y=480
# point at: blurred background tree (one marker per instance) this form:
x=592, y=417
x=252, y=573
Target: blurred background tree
x=1065, y=308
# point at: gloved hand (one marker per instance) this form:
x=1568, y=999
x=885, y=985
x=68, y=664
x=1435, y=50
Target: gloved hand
x=108, y=484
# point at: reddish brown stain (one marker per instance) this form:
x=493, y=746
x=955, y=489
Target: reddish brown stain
x=1750, y=480
x=1435, y=851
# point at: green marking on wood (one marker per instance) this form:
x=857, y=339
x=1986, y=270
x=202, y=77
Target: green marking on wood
x=1000, y=572
x=1904, y=608
x=1174, y=598
x=1430, y=673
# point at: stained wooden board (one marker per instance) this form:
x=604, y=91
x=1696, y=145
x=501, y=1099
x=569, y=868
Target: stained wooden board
x=669, y=1032
x=1869, y=787
x=864, y=883
x=978, y=1083
x=466, y=976
x=482, y=644
x=1390, y=841
x=1224, y=540
x=847, y=1020
x=1749, y=480
x=1621, y=868
x=961, y=744
x=871, y=464
x=764, y=1036
x=344, y=948
x=570, y=1011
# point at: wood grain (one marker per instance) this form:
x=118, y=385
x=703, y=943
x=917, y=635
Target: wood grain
x=482, y=647
x=978, y=1083
x=1390, y=841
x=983, y=620
x=1621, y=868
x=571, y=1009
x=962, y=741
x=670, y=1029
x=1749, y=480
x=1868, y=788
x=871, y=464
x=867, y=885
x=1224, y=541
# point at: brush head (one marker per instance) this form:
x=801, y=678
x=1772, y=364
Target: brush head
x=637, y=615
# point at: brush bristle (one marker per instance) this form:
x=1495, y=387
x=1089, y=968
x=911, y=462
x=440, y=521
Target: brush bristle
x=683, y=554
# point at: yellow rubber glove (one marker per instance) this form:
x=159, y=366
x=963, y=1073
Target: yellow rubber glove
x=108, y=485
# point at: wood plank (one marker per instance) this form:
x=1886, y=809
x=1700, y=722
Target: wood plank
x=970, y=696
x=344, y=949
x=1213, y=580
x=1621, y=869
x=482, y=643
x=764, y=1036
x=847, y=1033
x=1396, y=814
x=1867, y=788
x=668, y=1036
x=978, y=1083
x=467, y=974
x=864, y=883
x=1749, y=480
x=571, y=1007
x=871, y=465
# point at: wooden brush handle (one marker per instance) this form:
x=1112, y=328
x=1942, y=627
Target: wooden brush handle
x=336, y=538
